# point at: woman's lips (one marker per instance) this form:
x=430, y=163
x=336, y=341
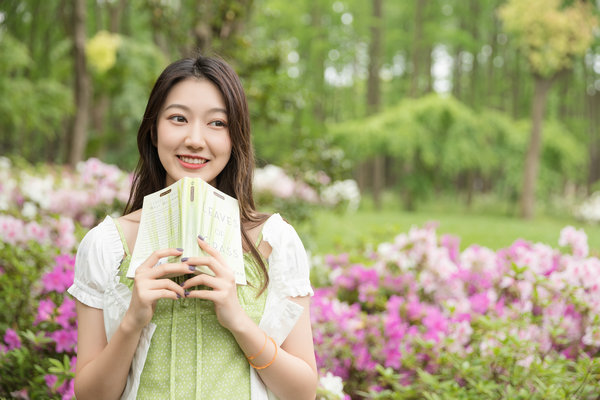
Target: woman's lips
x=192, y=162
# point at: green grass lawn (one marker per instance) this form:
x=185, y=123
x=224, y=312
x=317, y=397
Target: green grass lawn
x=329, y=232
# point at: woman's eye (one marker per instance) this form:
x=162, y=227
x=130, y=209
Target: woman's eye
x=178, y=118
x=219, y=123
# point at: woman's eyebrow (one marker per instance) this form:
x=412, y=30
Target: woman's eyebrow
x=217, y=109
x=186, y=108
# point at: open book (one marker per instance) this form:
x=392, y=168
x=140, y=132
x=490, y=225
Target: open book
x=174, y=217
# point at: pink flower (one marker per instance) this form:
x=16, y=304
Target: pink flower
x=452, y=243
x=65, y=340
x=36, y=232
x=50, y=381
x=576, y=240
x=11, y=229
x=61, y=277
x=65, y=231
x=73, y=363
x=67, y=389
x=480, y=302
x=66, y=313
x=12, y=340
x=45, y=311
x=435, y=323
x=54, y=281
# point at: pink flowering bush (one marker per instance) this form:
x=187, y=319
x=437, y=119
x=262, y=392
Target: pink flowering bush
x=83, y=195
x=420, y=319
x=37, y=352
x=297, y=197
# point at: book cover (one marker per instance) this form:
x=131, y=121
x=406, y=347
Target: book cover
x=174, y=217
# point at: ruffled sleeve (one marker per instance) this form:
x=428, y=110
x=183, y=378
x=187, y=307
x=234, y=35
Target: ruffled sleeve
x=289, y=270
x=96, y=264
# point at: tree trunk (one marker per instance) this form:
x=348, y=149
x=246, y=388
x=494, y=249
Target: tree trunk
x=203, y=33
x=374, y=95
x=82, y=86
x=475, y=80
x=417, y=49
x=532, y=158
x=593, y=105
x=317, y=56
x=516, y=86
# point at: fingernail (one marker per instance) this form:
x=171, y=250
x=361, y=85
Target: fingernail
x=179, y=249
x=187, y=293
x=201, y=237
x=184, y=259
x=192, y=268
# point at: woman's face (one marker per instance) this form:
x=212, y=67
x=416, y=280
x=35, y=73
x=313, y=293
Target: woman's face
x=193, y=135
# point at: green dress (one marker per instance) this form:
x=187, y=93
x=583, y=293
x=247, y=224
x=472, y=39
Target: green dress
x=191, y=355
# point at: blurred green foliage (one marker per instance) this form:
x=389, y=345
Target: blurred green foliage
x=304, y=66
x=440, y=144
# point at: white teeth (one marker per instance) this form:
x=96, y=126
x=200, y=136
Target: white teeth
x=192, y=160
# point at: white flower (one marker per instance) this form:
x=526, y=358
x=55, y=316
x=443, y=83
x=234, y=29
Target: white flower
x=29, y=210
x=5, y=163
x=333, y=384
x=342, y=191
x=589, y=210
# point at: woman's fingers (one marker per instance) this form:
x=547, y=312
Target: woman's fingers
x=205, y=280
x=166, y=284
x=211, y=251
x=168, y=270
x=155, y=257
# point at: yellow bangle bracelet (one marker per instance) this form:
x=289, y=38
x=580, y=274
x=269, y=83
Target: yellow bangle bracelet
x=270, y=362
x=261, y=350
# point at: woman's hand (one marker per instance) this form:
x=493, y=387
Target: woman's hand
x=150, y=284
x=223, y=290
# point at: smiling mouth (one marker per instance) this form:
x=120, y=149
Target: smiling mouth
x=193, y=160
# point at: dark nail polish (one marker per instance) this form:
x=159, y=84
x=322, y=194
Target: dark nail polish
x=184, y=259
x=192, y=268
x=179, y=249
x=201, y=237
x=187, y=293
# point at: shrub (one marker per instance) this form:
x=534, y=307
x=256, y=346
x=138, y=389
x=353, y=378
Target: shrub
x=419, y=319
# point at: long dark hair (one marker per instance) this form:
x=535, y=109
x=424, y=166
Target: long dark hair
x=236, y=178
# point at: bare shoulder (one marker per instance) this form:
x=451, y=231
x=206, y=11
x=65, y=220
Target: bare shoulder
x=130, y=224
x=254, y=233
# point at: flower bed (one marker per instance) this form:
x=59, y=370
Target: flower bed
x=419, y=319
x=414, y=318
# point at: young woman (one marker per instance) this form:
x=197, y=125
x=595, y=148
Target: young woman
x=206, y=337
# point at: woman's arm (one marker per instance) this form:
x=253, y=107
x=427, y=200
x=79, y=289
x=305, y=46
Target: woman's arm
x=293, y=373
x=102, y=367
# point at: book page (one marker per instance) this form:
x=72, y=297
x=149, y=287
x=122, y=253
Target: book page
x=176, y=215
x=159, y=226
x=216, y=216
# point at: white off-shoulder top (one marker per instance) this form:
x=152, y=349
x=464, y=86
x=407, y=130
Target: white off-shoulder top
x=96, y=284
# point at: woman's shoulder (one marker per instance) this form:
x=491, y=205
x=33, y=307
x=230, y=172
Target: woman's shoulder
x=99, y=242
x=98, y=258
x=130, y=224
x=289, y=269
x=276, y=229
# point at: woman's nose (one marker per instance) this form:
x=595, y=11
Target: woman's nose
x=195, y=136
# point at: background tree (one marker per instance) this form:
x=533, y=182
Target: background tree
x=551, y=35
x=306, y=66
x=82, y=85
